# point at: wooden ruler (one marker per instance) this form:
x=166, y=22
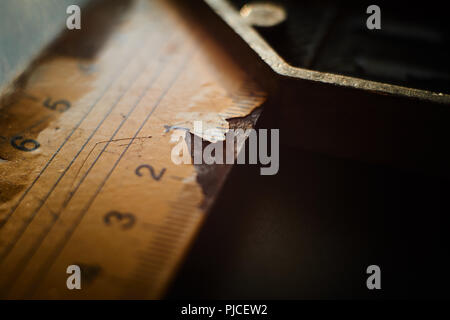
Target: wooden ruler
x=86, y=175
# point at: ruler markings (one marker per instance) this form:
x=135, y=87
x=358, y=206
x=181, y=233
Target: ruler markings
x=182, y=213
x=168, y=232
x=182, y=216
x=46, y=266
x=21, y=266
x=43, y=200
x=158, y=251
x=160, y=254
x=159, y=248
x=181, y=205
x=152, y=257
x=22, y=197
x=160, y=237
x=177, y=225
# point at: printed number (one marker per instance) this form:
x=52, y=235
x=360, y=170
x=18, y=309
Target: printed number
x=26, y=145
x=60, y=105
x=155, y=176
x=127, y=219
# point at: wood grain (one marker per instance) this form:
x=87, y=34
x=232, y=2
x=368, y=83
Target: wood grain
x=93, y=115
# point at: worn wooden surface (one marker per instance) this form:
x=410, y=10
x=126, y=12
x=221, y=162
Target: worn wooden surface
x=72, y=137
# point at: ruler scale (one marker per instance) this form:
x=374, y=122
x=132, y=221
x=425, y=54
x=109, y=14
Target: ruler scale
x=67, y=168
x=19, y=267
x=3, y=221
x=91, y=181
x=71, y=230
x=74, y=158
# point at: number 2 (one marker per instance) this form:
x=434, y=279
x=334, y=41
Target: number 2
x=155, y=176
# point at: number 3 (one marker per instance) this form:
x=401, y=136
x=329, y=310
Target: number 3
x=127, y=219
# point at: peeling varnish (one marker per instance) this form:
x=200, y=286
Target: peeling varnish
x=211, y=177
x=214, y=125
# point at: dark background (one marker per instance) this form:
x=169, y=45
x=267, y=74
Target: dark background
x=312, y=230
